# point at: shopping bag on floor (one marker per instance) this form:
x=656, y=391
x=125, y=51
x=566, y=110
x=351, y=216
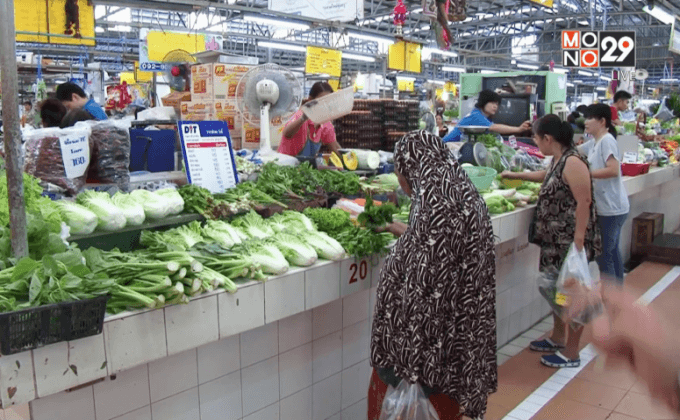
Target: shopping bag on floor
x=407, y=402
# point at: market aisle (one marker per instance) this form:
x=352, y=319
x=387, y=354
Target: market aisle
x=613, y=394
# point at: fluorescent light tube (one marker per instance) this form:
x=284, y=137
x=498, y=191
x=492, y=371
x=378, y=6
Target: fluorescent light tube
x=570, y=85
x=437, y=82
x=276, y=22
x=668, y=80
x=489, y=72
x=440, y=52
x=357, y=57
x=527, y=66
x=585, y=73
x=607, y=78
x=601, y=89
x=560, y=71
x=513, y=62
x=409, y=79
x=372, y=38
x=280, y=46
x=660, y=14
x=454, y=69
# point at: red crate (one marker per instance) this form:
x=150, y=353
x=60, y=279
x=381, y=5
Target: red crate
x=634, y=169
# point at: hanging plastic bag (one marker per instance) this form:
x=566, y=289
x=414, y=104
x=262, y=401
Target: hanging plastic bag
x=111, y=153
x=407, y=402
x=573, y=293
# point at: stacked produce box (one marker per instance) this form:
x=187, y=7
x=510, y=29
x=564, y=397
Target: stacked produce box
x=377, y=124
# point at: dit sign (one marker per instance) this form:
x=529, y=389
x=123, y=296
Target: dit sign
x=598, y=49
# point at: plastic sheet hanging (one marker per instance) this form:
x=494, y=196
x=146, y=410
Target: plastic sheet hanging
x=407, y=402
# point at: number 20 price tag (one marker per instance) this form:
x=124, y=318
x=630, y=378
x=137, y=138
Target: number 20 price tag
x=356, y=276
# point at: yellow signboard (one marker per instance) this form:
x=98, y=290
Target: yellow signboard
x=405, y=56
x=128, y=77
x=405, y=85
x=44, y=18
x=31, y=16
x=335, y=84
x=324, y=61
x=161, y=43
x=142, y=76
x=58, y=23
x=546, y=3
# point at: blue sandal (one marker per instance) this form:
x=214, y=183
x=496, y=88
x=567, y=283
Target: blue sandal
x=545, y=346
x=558, y=360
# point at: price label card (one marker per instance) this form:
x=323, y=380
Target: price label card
x=75, y=151
x=208, y=155
x=513, y=142
x=355, y=276
x=630, y=157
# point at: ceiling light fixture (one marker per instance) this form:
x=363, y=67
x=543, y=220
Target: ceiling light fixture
x=527, y=66
x=428, y=51
x=585, y=73
x=453, y=69
x=280, y=46
x=373, y=38
x=358, y=57
x=659, y=13
x=276, y=22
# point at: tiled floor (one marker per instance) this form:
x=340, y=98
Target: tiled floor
x=593, y=393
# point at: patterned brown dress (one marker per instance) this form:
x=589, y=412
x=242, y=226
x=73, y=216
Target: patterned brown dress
x=556, y=219
x=435, y=316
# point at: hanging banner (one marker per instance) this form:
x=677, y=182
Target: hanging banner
x=405, y=56
x=68, y=21
x=333, y=10
x=323, y=61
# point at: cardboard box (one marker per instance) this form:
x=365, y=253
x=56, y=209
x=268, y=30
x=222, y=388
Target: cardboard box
x=197, y=111
x=646, y=228
x=228, y=111
x=251, y=136
x=226, y=79
x=175, y=99
x=202, y=82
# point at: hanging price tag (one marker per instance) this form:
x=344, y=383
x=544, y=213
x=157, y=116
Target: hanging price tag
x=513, y=142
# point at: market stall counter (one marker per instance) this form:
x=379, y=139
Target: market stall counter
x=295, y=346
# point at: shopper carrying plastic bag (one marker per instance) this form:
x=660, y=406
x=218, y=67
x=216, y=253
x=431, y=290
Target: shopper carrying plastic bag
x=565, y=215
x=435, y=316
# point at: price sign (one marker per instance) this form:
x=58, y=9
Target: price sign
x=75, y=151
x=324, y=61
x=513, y=142
x=208, y=155
x=355, y=276
x=630, y=157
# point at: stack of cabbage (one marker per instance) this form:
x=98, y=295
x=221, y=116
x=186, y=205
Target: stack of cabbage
x=273, y=244
x=98, y=210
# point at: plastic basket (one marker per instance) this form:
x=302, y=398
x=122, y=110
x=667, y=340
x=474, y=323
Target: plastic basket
x=37, y=327
x=481, y=176
x=634, y=169
x=330, y=107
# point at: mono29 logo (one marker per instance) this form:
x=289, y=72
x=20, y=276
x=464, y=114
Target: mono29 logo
x=598, y=49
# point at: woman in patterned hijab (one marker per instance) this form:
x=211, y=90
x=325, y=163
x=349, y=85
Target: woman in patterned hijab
x=435, y=317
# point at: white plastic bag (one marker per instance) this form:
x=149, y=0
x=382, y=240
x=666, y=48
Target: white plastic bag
x=407, y=402
x=577, y=280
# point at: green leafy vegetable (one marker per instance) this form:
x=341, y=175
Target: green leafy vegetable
x=329, y=220
x=81, y=220
x=133, y=210
x=111, y=217
x=376, y=216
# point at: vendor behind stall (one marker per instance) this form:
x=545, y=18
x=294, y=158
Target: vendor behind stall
x=74, y=97
x=486, y=107
x=621, y=102
x=301, y=137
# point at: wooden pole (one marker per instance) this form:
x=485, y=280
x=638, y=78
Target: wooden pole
x=11, y=124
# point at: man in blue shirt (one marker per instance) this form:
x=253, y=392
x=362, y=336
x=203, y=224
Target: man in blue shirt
x=74, y=97
x=486, y=107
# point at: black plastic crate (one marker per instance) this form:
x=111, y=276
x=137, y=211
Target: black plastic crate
x=38, y=327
